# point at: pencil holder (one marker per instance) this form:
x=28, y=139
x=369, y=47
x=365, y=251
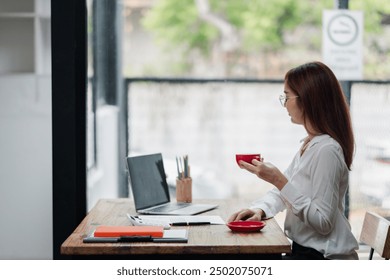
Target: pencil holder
x=184, y=190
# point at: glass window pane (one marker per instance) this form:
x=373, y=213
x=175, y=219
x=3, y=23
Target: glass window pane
x=370, y=177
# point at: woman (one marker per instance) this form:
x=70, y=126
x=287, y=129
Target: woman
x=313, y=187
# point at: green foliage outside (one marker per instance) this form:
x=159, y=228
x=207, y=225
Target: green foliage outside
x=262, y=27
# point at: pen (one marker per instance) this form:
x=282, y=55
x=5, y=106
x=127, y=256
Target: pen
x=185, y=166
x=190, y=223
x=178, y=169
x=92, y=239
x=135, y=238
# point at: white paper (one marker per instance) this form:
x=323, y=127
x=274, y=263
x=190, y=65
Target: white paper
x=213, y=220
x=175, y=233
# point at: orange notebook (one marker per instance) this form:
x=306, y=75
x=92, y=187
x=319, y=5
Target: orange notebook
x=118, y=231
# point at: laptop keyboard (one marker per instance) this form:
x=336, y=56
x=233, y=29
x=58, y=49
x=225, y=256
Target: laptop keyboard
x=170, y=207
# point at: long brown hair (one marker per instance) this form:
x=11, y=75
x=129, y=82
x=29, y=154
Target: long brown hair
x=323, y=103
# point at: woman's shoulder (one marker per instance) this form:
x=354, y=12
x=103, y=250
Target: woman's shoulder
x=328, y=145
x=328, y=152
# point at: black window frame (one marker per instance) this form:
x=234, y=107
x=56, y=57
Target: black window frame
x=69, y=80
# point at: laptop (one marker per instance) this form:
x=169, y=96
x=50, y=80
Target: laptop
x=150, y=188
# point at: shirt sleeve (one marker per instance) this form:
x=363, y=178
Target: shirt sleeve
x=318, y=209
x=272, y=203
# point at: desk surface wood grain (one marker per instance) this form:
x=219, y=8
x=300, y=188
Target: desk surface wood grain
x=202, y=240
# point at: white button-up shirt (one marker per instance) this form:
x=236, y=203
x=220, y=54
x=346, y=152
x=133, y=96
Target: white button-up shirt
x=314, y=199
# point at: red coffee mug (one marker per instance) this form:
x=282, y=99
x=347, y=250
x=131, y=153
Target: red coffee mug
x=247, y=158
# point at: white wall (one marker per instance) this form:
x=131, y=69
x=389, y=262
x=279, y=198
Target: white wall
x=103, y=180
x=25, y=168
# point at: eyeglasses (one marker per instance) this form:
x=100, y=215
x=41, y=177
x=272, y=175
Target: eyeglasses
x=283, y=99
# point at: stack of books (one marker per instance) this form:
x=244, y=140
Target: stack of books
x=113, y=234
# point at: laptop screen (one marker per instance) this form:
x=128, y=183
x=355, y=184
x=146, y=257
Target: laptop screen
x=148, y=180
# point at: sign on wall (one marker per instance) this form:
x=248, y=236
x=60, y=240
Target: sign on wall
x=342, y=43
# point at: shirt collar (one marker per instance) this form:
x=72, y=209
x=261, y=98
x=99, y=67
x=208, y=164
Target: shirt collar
x=315, y=139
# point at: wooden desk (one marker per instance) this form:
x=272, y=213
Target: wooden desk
x=210, y=241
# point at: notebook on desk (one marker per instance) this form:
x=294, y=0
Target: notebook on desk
x=150, y=188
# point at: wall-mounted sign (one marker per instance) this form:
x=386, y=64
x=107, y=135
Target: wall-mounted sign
x=342, y=43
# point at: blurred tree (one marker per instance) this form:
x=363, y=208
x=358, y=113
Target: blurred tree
x=238, y=29
x=198, y=24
